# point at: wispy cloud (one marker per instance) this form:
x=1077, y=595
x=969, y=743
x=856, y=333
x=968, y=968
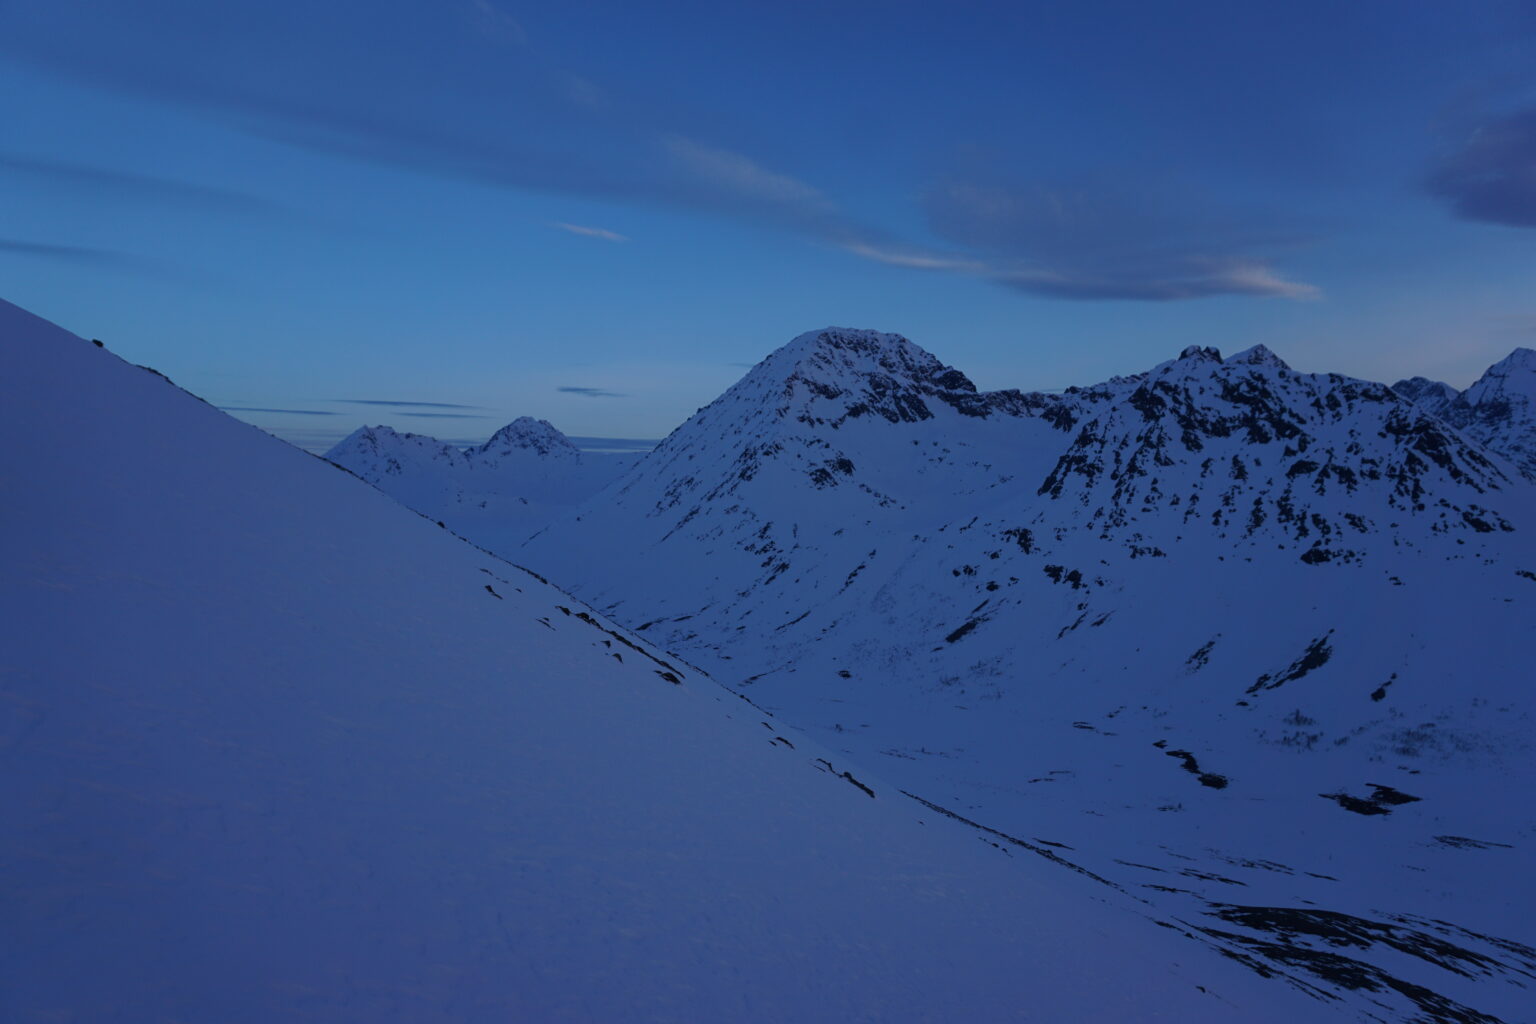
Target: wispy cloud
x=737, y=174
x=399, y=103
x=1097, y=241
x=97, y=181
x=287, y=412
x=402, y=404
x=581, y=229
x=916, y=260
x=590, y=392
x=1489, y=173
x=496, y=23
x=66, y=253
x=448, y=415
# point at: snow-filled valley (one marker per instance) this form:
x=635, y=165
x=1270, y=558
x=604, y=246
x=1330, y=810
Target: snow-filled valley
x=1201, y=694
x=1249, y=645
x=500, y=492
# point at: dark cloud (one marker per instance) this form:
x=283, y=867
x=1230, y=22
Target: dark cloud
x=65, y=253
x=126, y=185
x=447, y=415
x=591, y=392
x=291, y=412
x=1490, y=174
x=1098, y=240
x=417, y=405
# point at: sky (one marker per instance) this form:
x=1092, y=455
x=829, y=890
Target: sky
x=442, y=214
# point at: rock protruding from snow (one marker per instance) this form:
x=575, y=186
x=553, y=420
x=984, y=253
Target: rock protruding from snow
x=1433, y=396
x=1258, y=355
x=1498, y=411
x=378, y=453
x=276, y=749
x=1249, y=452
x=526, y=434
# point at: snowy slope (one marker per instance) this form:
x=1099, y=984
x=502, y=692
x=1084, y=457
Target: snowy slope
x=1499, y=410
x=500, y=492
x=276, y=748
x=1202, y=625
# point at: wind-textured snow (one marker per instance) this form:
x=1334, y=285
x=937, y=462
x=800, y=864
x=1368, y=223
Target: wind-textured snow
x=1249, y=644
x=276, y=748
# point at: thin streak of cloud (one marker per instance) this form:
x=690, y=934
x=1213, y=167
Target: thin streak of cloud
x=390, y=402
x=97, y=180
x=587, y=392
x=581, y=229
x=287, y=412
x=733, y=172
x=916, y=260
x=1096, y=242
x=447, y=415
x=496, y=23
x=66, y=253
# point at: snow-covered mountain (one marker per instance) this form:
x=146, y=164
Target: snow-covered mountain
x=1250, y=643
x=276, y=748
x=500, y=492
x=1499, y=410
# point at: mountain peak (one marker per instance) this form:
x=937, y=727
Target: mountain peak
x=526, y=433
x=1258, y=355
x=842, y=352
x=1200, y=354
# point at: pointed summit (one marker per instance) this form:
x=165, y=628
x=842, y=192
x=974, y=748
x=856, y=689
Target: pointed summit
x=378, y=451
x=838, y=374
x=528, y=434
x=1511, y=378
x=1258, y=355
x=843, y=356
x=1200, y=354
x=1433, y=396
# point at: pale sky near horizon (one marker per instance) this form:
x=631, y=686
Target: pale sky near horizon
x=441, y=214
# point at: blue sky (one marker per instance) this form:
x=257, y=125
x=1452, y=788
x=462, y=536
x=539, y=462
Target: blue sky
x=441, y=214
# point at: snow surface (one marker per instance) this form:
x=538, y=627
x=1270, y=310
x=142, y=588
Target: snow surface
x=1250, y=645
x=1498, y=410
x=500, y=492
x=276, y=748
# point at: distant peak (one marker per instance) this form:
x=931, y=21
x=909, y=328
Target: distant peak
x=1258, y=355
x=1423, y=390
x=834, y=354
x=527, y=433
x=1519, y=359
x=1200, y=354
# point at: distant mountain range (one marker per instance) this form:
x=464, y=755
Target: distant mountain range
x=1247, y=644
x=277, y=749
x=1250, y=643
x=1499, y=410
x=1242, y=649
x=500, y=492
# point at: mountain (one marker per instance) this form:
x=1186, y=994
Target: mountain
x=1249, y=643
x=1433, y=396
x=276, y=748
x=500, y=492
x=1498, y=411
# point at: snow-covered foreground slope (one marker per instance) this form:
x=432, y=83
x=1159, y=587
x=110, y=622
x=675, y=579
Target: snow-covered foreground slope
x=1250, y=644
x=500, y=492
x=275, y=748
